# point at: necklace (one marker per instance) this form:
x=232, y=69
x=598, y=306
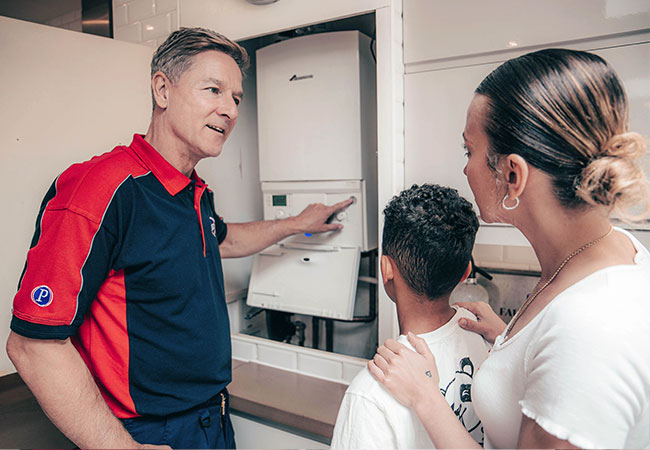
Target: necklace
x=532, y=296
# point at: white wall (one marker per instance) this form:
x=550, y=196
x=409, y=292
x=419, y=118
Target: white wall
x=66, y=96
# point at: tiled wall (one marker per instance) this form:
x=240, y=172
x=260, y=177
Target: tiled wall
x=317, y=363
x=508, y=257
x=69, y=21
x=144, y=21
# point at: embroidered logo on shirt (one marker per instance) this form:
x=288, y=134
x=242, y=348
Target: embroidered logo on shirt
x=42, y=295
x=213, y=226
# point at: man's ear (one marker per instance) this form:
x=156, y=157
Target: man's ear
x=160, y=87
x=516, y=171
x=467, y=272
x=387, y=271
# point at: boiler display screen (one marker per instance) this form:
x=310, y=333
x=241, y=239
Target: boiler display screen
x=279, y=200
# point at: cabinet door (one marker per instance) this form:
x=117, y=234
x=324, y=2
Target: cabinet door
x=435, y=105
x=437, y=29
x=435, y=108
x=239, y=19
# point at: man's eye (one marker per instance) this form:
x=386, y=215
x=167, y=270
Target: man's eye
x=237, y=101
x=214, y=90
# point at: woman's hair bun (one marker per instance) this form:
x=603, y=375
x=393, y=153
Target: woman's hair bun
x=628, y=144
x=614, y=178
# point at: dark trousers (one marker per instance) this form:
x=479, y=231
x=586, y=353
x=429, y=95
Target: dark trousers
x=204, y=426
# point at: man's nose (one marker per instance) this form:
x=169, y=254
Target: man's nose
x=229, y=108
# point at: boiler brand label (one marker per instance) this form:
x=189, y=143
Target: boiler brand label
x=42, y=295
x=301, y=77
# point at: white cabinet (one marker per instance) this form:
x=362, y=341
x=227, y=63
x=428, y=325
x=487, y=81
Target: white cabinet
x=436, y=102
x=239, y=19
x=435, y=108
x=450, y=29
x=253, y=434
x=316, y=104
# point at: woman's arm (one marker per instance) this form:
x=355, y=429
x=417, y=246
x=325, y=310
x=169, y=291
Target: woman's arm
x=413, y=379
x=531, y=435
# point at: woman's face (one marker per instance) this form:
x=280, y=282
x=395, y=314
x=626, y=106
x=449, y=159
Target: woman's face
x=481, y=178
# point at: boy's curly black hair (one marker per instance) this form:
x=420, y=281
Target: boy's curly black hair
x=429, y=232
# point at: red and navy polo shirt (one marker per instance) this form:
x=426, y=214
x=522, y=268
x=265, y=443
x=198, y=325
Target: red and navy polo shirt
x=125, y=261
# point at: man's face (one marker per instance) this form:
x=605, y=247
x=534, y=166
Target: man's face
x=203, y=104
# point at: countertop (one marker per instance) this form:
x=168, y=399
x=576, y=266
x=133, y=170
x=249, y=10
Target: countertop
x=277, y=396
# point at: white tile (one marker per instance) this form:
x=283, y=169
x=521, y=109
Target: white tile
x=276, y=357
x=350, y=371
x=162, y=6
x=140, y=9
x=320, y=367
x=71, y=16
x=486, y=252
x=519, y=255
x=156, y=27
x=119, y=16
x=244, y=350
x=131, y=33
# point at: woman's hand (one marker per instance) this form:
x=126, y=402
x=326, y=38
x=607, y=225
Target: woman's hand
x=409, y=376
x=488, y=324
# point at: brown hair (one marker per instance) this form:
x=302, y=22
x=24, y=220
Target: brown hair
x=566, y=113
x=174, y=56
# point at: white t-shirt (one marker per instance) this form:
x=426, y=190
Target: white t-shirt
x=580, y=368
x=370, y=417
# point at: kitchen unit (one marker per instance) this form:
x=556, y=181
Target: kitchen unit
x=428, y=63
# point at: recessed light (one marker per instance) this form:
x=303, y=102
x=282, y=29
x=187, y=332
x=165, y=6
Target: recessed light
x=512, y=44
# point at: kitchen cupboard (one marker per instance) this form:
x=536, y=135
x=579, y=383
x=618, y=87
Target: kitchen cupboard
x=450, y=46
x=240, y=19
x=435, y=30
x=436, y=101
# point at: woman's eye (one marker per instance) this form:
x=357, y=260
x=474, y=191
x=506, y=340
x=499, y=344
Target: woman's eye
x=467, y=153
x=214, y=90
x=237, y=101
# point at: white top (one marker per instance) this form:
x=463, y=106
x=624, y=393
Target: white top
x=370, y=417
x=580, y=368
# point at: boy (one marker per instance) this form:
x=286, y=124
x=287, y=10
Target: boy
x=428, y=237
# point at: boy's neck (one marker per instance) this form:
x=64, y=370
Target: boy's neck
x=422, y=315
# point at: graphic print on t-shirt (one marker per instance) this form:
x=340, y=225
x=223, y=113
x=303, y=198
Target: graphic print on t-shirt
x=457, y=392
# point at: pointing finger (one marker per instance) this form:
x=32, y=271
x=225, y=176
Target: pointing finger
x=343, y=204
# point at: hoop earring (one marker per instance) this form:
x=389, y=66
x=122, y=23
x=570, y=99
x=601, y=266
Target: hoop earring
x=509, y=208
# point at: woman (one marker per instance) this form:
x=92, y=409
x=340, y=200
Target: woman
x=549, y=151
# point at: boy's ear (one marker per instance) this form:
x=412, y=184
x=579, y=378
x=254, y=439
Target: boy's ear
x=387, y=271
x=467, y=272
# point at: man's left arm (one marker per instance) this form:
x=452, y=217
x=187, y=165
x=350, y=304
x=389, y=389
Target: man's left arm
x=244, y=239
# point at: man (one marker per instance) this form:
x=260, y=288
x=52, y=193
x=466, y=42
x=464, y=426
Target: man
x=120, y=312
x=428, y=237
